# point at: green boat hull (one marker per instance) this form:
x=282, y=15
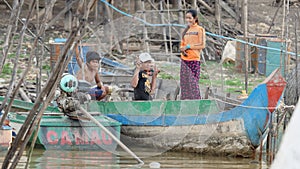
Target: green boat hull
x=60, y=132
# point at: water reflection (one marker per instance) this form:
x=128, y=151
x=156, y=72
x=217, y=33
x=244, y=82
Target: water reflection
x=73, y=159
x=54, y=159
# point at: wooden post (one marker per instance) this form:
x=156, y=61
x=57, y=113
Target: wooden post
x=194, y=4
x=181, y=14
x=218, y=13
x=170, y=32
x=113, y=38
x=296, y=47
x=36, y=113
x=137, y=5
x=206, y=6
x=245, y=29
x=238, y=12
x=146, y=39
x=15, y=67
x=11, y=29
x=161, y=7
x=68, y=17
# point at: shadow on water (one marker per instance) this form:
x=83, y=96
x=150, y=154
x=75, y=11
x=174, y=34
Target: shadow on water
x=51, y=159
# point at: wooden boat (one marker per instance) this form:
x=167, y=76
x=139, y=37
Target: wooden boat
x=60, y=132
x=198, y=125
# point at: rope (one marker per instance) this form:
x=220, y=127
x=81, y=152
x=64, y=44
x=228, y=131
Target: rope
x=254, y=107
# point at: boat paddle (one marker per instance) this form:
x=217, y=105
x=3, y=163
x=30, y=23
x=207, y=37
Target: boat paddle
x=111, y=135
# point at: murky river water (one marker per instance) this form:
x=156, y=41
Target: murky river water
x=48, y=159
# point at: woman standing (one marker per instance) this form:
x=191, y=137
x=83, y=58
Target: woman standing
x=193, y=41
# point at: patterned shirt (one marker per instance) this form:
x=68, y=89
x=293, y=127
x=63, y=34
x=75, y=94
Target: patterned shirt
x=143, y=88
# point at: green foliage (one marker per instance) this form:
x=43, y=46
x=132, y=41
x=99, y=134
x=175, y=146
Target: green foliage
x=46, y=67
x=7, y=70
x=234, y=82
x=11, y=55
x=165, y=76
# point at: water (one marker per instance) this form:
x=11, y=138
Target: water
x=49, y=159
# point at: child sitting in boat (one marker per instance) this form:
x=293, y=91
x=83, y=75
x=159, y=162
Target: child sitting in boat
x=90, y=74
x=143, y=88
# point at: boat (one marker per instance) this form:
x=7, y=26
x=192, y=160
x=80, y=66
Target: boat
x=58, y=131
x=198, y=125
x=192, y=125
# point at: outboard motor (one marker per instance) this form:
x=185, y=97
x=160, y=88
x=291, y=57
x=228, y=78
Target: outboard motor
x=69, y=97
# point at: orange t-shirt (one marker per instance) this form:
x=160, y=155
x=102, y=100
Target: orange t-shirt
x=195, y=37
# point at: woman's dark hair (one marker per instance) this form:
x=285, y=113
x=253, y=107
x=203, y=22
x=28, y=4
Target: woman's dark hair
x=194, y=15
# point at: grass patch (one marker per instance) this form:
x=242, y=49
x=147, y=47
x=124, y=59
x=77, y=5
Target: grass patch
x=234, y=82
x=165, y=76
x=11, y=55
x=46, y=67
x=7, y=70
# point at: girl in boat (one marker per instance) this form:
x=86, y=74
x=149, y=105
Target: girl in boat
x=143, y=88
x=193, y=41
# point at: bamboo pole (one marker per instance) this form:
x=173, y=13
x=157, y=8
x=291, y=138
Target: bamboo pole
x=164, y=28
x=206, y=6
x=146, y=42
x=111, y=135
x=15, y=68
x=33, y=143
x=218, y=14
x=35, y=114
x=113, y=31
x=245, y=29
x=273, y=19
x=286, y=39
x=283, y=29
x=170, y=31
x=12, y=27
x=38, y=58
x=30, y=32
x=296, y=48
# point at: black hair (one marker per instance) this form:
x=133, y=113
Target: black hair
x=91, y=55
x=194, y=15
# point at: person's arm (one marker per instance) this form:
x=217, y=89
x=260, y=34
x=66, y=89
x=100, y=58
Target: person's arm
x=182, y=46
x=78, y=58
x=201, y=44
x=154, y=77
x=98, y=81
x=135, y=78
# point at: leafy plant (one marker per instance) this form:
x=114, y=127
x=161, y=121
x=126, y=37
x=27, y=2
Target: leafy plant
x=7, y=69
x=46, y=67
x=165, y=76
x=11, y=55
